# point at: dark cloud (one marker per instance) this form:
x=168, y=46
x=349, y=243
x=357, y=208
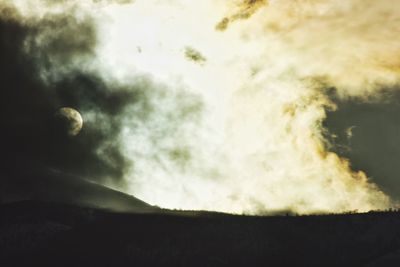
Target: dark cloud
x=31, y=95
x=246, y=9
x=194, y=55
x=28, y=104
x=367, y=131
x=43, y=65
x=57, y=41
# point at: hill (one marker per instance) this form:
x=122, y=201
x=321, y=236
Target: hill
x=49, y=234
x=49, y=185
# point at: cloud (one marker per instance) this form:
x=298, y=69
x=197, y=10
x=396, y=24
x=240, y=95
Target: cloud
x=247, y=132
x=259, y=144
x=45, y=66
x=246, y=8
x=194, y=55
x=29, y=101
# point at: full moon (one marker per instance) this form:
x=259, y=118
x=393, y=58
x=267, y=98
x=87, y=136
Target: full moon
x=70, y=119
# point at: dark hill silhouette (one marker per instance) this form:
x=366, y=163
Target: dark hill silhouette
x=36, y=233
x=56, y=219
x=54, y=186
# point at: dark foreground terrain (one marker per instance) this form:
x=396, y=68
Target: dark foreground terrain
x=34, y=233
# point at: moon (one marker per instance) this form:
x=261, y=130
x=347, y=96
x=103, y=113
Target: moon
x=71, y=120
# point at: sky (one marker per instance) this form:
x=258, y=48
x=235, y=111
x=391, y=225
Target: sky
x=241, y=106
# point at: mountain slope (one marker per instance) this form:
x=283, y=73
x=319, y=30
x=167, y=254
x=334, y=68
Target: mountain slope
x=54, y=186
